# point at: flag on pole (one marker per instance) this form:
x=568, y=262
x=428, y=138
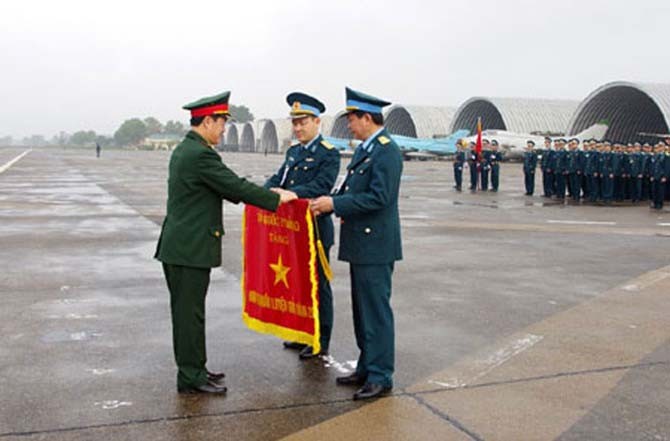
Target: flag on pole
x=478, y=146
x=279, y=276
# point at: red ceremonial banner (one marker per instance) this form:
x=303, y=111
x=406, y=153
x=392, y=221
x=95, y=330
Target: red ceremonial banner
x=279, y=278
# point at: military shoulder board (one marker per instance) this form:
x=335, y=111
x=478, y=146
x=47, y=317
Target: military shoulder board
x=383, y=140
x=326, y=144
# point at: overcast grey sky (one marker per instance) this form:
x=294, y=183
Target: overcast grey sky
x=72, y=65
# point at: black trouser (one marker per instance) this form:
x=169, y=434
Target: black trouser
x=575, y=185
x=484, y=178
x=548, y=183
x=473, y=176
x=529, y=181
x=458, y=175
x=635, y=188
x=608, y=188
x=658, y=193
x=495, y=177
x=646, y=189
x=560, y=185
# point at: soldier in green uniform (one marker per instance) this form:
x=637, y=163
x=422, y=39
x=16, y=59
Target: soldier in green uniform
x=529, y=165
x=190, y=240
x=367, y=204
x=310, y=170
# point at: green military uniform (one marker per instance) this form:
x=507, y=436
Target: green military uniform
x=190, y=240
x=311, y=171
x=367, y=203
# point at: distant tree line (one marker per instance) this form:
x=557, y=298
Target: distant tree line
x=130, y=133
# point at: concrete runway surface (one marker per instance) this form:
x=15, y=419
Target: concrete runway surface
x=516, y=318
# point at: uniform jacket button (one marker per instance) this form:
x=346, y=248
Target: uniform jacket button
x=368, y=230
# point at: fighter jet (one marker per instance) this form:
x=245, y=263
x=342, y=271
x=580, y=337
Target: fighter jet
x=411, y=148
x=512, y=145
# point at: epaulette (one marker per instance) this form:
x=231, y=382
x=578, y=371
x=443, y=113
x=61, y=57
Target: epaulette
x=383, y=140
x=327, y=145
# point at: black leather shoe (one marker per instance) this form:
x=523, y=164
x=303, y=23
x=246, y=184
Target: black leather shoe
x=215, y=376
x=350, y=380
x=371, y=390
x=208, y=388
x=308, y=352
x=294, y=345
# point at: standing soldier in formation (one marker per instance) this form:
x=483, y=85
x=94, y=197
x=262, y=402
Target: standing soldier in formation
x=618, y=166
x=529, y=165
x=607, y=172
x=590, y=171
x=647, y=156
x=636, y=173
x=575, y=167
x=309, y=171
x=659, y=176
x=547, y=175
x=485, y=165
x=473, y=164
x=495, y=158
x=459, y=162
x=560, y=169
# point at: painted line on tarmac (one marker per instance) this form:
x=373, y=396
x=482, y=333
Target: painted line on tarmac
x=570, y=222
x=14, y=161
x=663, y=224
x=487, y=364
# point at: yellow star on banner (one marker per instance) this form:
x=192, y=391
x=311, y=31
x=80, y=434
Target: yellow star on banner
x=281, y=272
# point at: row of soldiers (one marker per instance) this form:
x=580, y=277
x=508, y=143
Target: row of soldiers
x=601, y=171
x=484, y=166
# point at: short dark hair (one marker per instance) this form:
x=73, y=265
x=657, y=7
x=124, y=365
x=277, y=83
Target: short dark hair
x=377, y=118
x=197, y=120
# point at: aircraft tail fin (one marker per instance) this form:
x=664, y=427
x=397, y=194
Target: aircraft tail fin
x=596, y=131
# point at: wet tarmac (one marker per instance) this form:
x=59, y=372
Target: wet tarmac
x=516, y=317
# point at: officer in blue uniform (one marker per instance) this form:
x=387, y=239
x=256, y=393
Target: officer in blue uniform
x=636, y=170
x=560, y=166
x=659, y=176
x=606, y=170
x=495, y=157
x=367, y=204
x=618, y=166
x=485, y=165
x=529, y=165
x=647, y=156
x=575, y=170
x=591, y=171
x=310, y=170
x=459, y=162
x=473, y=164
x=547, y=175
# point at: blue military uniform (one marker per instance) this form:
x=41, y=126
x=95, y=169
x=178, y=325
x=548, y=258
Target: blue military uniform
x=310, y=171
x=529, y=166
x=606, y=170
x=547, y=172
x=459, y=162
x=495, y=157
x=575, y=170
x=659, y=174
x=485, y=169
x=473, y=163
x=367, y=204
x=635, y=169
x=618, y=167
x=591, y=175
x=560, y=168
